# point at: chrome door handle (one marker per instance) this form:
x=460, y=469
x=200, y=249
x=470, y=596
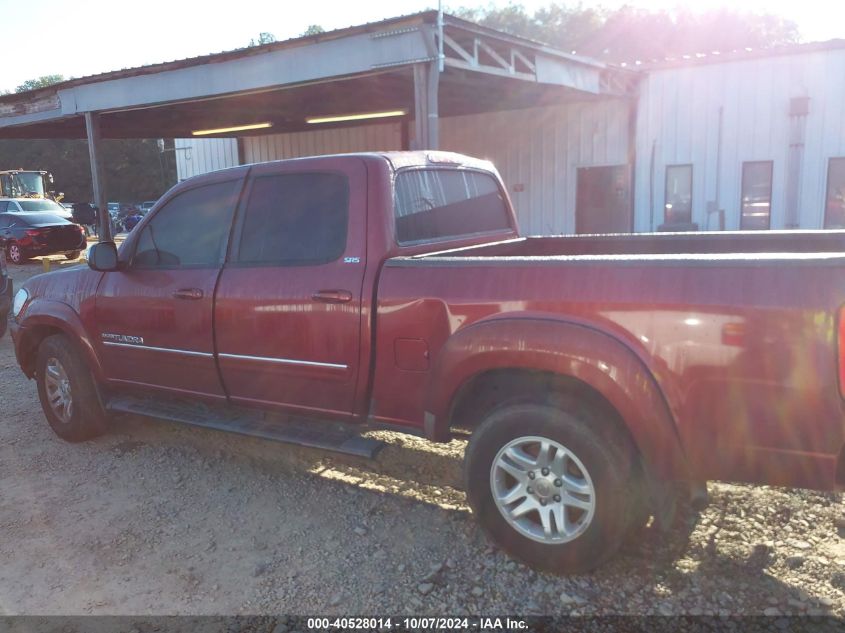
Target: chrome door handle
x=332, y=296
x=187, y=293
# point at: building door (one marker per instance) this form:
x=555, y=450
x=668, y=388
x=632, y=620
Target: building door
x=603, y=200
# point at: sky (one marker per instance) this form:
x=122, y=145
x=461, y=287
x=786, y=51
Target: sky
x=75, y=38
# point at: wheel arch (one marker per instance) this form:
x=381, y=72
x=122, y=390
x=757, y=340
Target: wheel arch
x=494, y=362
x=44, y=318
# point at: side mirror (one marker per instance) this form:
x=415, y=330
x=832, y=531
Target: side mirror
x=102, y=257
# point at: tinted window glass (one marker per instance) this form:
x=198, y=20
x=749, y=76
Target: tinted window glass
x=834, y=215
x=756, y=195
x=295, y=219
x=678, y=203
x=3, y=205
x=436, y=204
x=190, y=230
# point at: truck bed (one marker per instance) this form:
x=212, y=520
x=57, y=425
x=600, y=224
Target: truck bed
x=739, y=330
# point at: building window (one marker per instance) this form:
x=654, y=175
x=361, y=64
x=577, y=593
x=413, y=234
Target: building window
x=834, y=212
x=756, y=202
x=678, y=202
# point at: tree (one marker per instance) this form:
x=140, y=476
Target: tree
x=263, y=38
x=629, y=33
x=134, y=169
x=313, y=29
x=40, y=82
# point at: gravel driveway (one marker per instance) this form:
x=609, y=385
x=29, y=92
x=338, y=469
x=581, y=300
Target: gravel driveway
x=157, y=518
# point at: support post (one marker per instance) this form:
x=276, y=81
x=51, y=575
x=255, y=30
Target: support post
x=92, y=128
x=433, y=105
x=426, y=99
x=420, y=106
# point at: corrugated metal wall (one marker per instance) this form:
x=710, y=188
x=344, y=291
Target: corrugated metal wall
x=679, y=120
x=538, y=151
x=200, y=155
x=364, y=138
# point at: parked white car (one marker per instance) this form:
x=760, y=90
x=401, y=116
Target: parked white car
x=34, y=205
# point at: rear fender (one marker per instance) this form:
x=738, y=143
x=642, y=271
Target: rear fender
x=565, y=349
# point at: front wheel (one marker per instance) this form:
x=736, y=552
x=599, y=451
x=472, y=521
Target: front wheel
x=67, y=391
x=15, y=254
x=548, y=487
x=73, y=255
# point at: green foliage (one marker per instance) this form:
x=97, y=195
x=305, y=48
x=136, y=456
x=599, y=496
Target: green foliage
x=629, y=33
x=263, y=38
x=314, y=29
x=40, y=82
x=135, y=171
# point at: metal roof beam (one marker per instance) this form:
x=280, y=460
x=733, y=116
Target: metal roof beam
x=332, y=59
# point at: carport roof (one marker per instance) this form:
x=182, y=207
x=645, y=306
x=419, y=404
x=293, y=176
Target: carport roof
x=356, y=69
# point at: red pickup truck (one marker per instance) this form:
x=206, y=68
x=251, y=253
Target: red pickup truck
x=305, y=300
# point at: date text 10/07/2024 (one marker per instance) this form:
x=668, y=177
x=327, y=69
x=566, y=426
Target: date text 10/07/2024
x=417, y=623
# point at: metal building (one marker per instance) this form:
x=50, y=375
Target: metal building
x=748, y=140
x=745, y=140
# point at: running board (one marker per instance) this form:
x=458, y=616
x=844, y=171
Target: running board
x=300, y=431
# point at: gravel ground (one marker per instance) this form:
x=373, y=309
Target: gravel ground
x=157, y=518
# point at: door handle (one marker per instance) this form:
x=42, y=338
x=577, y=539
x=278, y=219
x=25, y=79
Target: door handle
x=332, y=296
x=187, y=293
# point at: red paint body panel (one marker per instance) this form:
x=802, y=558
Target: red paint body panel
x=762, y=408
x=140, y=303
x=719, y=351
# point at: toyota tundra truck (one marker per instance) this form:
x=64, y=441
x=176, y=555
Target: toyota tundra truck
x=310, y=300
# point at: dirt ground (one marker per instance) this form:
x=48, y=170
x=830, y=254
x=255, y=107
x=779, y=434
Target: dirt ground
x=155, y=518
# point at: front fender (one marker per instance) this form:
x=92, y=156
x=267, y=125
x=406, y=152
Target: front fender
x=566, y=349
x=42, y=317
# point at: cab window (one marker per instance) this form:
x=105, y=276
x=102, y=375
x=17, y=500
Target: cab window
x=191, y=230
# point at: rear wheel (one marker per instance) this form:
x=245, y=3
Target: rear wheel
x=73, y=255
x=67, y=392
x=550, y=484
x=15, y=254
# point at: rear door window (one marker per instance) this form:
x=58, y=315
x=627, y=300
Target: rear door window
x=440, y=204
x=295, y=219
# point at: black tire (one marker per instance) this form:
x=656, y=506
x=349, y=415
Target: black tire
x=15, y=254
x=4, y=324
x=73, y=255
x=606, y=457
x=87, y=418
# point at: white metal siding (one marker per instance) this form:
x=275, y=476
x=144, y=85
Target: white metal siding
x=363, y=138
x=539, y=150
x=196, y=156
x=678, y=118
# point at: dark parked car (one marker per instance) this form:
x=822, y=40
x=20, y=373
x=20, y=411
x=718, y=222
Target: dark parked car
x=24, y=235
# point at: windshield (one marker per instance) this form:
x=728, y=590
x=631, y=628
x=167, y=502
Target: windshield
x=39, y=205
x=28, y=183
